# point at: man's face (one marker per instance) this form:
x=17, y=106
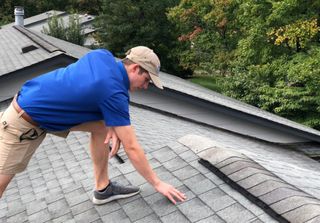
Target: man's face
x=140, y=79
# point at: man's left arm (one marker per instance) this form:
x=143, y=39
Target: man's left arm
x=137, y=157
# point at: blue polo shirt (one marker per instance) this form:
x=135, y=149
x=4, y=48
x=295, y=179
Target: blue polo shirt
x=93, y=88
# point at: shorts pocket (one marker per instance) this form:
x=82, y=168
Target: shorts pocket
x=7, y=133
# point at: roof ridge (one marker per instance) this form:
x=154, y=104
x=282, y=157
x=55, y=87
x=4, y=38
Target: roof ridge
x=41, y=20
x=253, y=181
x=38, y=40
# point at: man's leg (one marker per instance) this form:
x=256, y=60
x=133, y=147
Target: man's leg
x=100, y=156
x=99, y=151
x=4, y=181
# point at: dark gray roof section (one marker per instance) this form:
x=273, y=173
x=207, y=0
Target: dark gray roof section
x=38, y=18
x=191, y=89
x=37, y=22
x=13, y=39
x=70, y=49
x=262, y=186
x=11, y=43
x=37, y=39
x=207, y=113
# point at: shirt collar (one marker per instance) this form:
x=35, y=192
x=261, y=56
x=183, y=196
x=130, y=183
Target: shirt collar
x=124, y=74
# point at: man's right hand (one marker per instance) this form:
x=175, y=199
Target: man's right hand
x=170, y=192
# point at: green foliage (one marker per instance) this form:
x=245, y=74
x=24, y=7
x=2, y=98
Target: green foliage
x=210, y=82
x=127, y=23
x=296, y=35
x=267, y=50
x=71, y=33
x=208, y=33
x=288, y=86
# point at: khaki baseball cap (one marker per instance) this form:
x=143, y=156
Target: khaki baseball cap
x=148, y=60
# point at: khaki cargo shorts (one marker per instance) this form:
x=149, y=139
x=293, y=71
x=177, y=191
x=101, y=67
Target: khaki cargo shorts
x=18, y=141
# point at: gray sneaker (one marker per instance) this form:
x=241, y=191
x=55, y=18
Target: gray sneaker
x=114, y=191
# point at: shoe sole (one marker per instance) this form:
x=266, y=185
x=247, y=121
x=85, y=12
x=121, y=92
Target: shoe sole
x=116, y=197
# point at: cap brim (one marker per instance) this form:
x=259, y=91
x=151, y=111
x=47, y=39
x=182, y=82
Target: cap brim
x=156, y=80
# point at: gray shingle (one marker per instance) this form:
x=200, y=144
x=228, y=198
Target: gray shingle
x=185, y=172
x=216, y=199
x=280, y=194
x=39, y=217
x=87, y=216
x=256, y=179
x=58, y=208
x=188, y=156
x=135, y=178
x=137, y=209
x=164, y=154
x=199, y=184
x=292, y=203
x=236, y=213
x=175, y=164
x=15, y=207
x=160, y=204
x=314, y=220
x=35, y=206
x=211, y=219
x=146, y=190
x=106, y=208
x=21, y=217
x=267, y=186
x=76, y=197
x=63, y=218
x=197, y=143
x=303, y=213
x=82, y=207
x=195, y=210
x=176, y=217
x=148, y=219
x=116, y=216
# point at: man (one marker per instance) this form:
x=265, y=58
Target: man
x=89, y=95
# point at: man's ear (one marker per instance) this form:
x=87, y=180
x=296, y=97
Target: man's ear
x=135, y=67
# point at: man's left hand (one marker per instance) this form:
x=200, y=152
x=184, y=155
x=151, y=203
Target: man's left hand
x=112, y=137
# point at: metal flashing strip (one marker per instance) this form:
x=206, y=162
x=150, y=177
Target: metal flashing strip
x=261, y=186
x=38, y=40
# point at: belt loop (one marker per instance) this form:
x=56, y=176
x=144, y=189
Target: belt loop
x=20, y=113
x=4, y=124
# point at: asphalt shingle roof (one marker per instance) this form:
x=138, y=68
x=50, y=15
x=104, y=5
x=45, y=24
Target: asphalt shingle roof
x=11, y=43
x=57, y=186
x=12, y=40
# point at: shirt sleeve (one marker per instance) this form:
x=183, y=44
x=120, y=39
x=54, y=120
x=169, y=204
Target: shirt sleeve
x=115, y=110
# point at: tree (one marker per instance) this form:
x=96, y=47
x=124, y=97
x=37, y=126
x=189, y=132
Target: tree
x=208, y=33
x=267, y=50
x=71, y=33
x=128, y=23
x=277, y=66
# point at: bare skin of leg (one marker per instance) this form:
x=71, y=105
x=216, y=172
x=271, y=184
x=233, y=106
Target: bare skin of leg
x=4, y=181
x=99, y=151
